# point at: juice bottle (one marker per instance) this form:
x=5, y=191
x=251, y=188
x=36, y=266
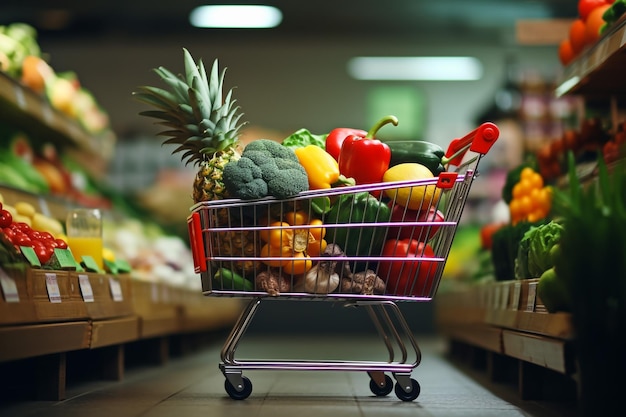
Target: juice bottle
x=84, y=234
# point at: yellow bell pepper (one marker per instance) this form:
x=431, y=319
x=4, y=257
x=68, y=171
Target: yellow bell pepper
x=321, y=168
x=282, y=240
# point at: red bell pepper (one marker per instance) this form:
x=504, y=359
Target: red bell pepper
x=335, y=139
x=364, y=158
x=412, y=274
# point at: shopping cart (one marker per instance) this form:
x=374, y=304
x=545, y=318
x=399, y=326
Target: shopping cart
x=357, y=245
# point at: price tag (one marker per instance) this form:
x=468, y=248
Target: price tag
x=65, y=259
x=85, y=288
x=506, y=289
x=517, y=294
x=90, y=264
x=532, y=296
x=31, y=256
x=116, y=289
x=54, y=294
x=9, y=288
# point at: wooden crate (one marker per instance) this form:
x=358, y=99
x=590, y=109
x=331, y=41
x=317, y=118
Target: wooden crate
x=111, y=294
x=155, y=305
x=16, y=307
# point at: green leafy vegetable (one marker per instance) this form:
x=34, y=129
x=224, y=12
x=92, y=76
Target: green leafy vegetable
x=302, y=137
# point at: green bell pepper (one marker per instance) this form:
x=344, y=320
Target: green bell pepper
x=358, y=241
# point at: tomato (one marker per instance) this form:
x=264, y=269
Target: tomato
x=419, y=232
x=594, y=23
x=43, y=252
x=486, y=234
x=577, y=37
x=61, y=244
x=22, y=239
x=46, y=236
x=5, y=218
x=586, y=6
x=9, y=233
x=566, y=52
x=34, y=235
x=405, y=276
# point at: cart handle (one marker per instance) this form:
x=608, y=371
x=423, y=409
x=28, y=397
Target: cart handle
x=478, y=140
x=195, y=240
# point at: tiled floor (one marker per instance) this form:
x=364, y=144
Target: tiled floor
x=192, y=386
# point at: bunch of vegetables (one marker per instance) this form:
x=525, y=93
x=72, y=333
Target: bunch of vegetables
x=534, y=255
x=307, y=161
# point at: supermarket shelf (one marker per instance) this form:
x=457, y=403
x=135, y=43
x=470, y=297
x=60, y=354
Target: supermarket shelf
x=508, y=318
x=52, y=206
x=25, y=109
x=599, y=69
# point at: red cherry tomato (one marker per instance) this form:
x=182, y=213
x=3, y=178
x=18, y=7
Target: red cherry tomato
x=44, y=253
x=61, y=244
x=46, y=235
x=5, y=218
x=22, y=239
x=9, y=233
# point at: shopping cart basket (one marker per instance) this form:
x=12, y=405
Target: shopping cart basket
x=357, y=245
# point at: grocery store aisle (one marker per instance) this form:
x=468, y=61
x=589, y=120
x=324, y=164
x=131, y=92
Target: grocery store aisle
x=192, y=386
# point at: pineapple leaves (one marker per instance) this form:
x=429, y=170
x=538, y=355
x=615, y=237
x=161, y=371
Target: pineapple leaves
x=196, y=117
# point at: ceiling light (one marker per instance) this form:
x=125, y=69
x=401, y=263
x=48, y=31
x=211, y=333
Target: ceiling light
x=449, y=68
x=235, y=16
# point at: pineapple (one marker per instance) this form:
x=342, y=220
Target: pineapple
x=205, y=127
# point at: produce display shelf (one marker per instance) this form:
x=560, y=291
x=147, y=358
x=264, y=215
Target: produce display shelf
x=598, y=71
x=507, y=318
x=31, y=340
x=25, y=109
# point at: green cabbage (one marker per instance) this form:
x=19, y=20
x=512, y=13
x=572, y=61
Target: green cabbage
x=542, y=240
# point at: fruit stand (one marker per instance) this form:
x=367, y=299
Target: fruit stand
x=48, y=314
x=507, y=319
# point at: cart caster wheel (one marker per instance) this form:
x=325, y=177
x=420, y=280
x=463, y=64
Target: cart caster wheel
x=238, y=395
x=379, y=391
x=411, y=395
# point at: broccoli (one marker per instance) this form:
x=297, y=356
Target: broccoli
x=265, y=168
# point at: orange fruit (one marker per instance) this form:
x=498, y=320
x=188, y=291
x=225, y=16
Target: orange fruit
x=577, y=35
x=35, y=73
x=594, y=22
x=586, y=6
x=566, y=53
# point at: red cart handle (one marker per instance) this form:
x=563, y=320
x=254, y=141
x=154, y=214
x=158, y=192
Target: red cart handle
x=478, y=140
x=196, y=242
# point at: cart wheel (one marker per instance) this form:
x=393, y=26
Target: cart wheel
x=384, y=390
x=238, y=395
x=411, y=395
